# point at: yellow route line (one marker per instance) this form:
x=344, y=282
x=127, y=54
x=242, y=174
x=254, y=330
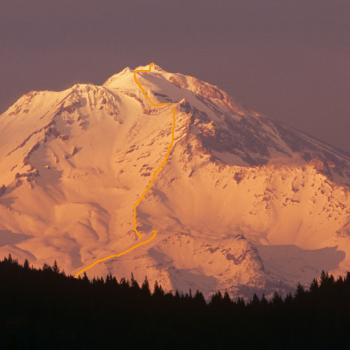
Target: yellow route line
x=150, y=183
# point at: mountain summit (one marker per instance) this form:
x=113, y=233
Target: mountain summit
x=244, y=204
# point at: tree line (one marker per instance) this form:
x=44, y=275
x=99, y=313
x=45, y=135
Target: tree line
x=47, y=309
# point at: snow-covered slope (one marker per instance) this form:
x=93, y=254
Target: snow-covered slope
x=244, y=204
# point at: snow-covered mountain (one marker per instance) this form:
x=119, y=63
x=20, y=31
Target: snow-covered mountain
x=244, y=204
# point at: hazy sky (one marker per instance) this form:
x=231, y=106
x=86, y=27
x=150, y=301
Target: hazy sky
x=289, y=59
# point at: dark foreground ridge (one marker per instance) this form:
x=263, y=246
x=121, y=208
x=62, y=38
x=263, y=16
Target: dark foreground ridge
x=45, y=309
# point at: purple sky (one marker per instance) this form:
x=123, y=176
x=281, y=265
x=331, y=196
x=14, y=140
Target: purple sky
x=289, y=59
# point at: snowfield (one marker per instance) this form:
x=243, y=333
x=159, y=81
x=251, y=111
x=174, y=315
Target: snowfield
x=245, y=203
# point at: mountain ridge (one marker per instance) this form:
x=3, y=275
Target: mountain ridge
x=244, y=204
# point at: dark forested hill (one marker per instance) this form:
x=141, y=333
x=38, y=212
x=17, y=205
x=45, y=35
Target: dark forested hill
x=45, y=309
